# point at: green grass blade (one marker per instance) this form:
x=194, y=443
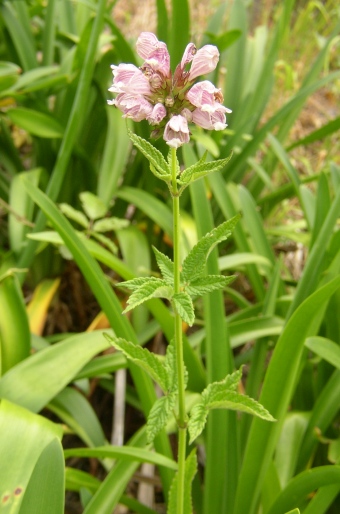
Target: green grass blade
x=72, y=129
x=275, y=397
x=109, y=303
x=303, y=484
x=162, y=21
x=322, y=500
x=123, y=452
x=324, y=411
x=49, y=33
x=15, y=19
x=180, y=30
x=325, y=348
x=221, y=446
x=318, y=134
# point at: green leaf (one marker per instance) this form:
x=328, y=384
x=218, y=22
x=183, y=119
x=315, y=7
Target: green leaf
x=93, y=206
x=324, y=348
x=151, y=288
x=36, y=123
x=74, y=215
x=134, y=283
x=108, y=224
x=204, y=285
x=235, y=401
x=165, y=265
x=189, y=474
x=202, y=169
x=106, y=241
x=194, y=263
x=223, y=41
x=24, y=438
x=197, y=421
x=184, y=307
x=122, y=452
x=149, y=361
x=155, y=157
x=159, y=415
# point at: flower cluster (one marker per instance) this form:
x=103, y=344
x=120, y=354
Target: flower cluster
x=169, y=101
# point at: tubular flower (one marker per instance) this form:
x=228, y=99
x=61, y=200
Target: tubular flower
x=169, y=101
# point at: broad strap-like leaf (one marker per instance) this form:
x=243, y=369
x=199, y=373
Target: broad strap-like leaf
x=151, y=288
x=204, y=285
x=189, y=474
x=184, y=307
x=165, y=265
x=149, y=361
x=202, y=169
x=155, y=157
x=194, y=263
x=159, y=414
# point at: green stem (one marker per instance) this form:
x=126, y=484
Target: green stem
x=178, y=341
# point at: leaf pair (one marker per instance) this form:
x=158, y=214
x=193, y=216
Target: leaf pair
x=164, y=372
x=223, y=395
x=193, y=281
x=162, y=169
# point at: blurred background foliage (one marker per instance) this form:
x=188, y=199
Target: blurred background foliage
x=62, y=250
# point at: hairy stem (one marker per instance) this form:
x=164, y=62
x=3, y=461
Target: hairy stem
x=178, y=340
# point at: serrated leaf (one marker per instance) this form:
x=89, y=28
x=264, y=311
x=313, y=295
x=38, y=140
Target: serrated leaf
x=108, y=224
x=152, y=288
x=241, y=402
x=165, y=265
x=149, y=361
x=151, y=153
x=93, y=205
x=74, y=214
x=159, y=175
x=202, y=169
x=187, y=173
x=134, y=284
x=189, y=474
x=197, y=421
x=194, y=263
x=230, y=382
x=184, y=307
x=159, y=415
x=204, y=285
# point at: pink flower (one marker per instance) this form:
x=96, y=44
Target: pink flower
x=132, y=106
x=176, y=131
x=129, y=79
x=157, y=115
x=210, y=120
x=205, y=96
x=169, y=101
x=204, y=61
x=154, y=52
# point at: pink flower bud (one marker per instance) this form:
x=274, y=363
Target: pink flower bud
x=176, y=131
x=188, y=55
x=135, y=107
x=157, y=115
x=187, y=114
x=210, y=120
x=204, y=61
x=129, y=79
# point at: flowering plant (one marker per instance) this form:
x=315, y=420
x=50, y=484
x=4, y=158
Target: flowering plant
x=169, y=101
